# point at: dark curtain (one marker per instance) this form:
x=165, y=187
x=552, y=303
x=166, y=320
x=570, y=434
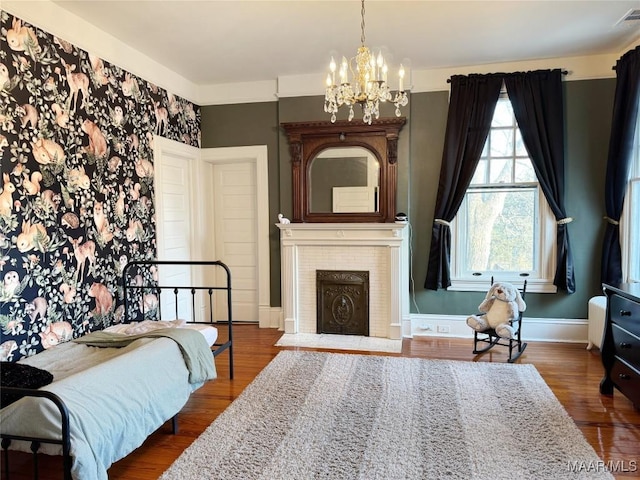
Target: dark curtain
x=473, y=101
x=625, y=115
x=539, y=110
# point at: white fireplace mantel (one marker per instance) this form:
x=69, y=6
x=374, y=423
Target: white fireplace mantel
x=380, y=248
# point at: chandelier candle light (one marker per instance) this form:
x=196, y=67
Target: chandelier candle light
x=369, y=86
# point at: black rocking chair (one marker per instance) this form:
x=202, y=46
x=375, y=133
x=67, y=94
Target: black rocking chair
x=486, y=340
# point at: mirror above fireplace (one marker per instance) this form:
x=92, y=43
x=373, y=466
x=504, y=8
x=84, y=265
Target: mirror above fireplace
x=344, y=171
x=344, y=180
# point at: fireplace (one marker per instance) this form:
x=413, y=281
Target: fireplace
x=381, y=249
x=342, y=299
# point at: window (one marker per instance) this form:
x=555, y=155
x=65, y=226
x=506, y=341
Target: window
x=504, y=227
x=630, y=234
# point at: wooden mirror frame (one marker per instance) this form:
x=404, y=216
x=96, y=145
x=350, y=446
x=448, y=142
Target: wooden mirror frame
x=307, y=139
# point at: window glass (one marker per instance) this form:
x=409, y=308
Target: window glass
x=501, y=230
x=524, y=171
x=500, y=170
x=501, y=142
x=479, y=176
x=485, y=150
x=503, y=115
x=521, y=150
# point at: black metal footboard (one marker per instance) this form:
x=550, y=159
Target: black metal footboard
x=36, y=442
x=64, y=442
x=145, y=291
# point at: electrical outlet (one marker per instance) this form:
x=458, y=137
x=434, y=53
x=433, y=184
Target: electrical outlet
x=426, y=327
x=443, y=328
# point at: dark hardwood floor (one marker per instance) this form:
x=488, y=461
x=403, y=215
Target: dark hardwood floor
x=610, y=424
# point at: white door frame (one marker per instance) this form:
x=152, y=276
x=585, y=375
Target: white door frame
x=190, y=156
x=258, y=156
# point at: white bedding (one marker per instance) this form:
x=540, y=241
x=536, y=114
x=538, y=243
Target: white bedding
x=116, y=398
x=134, y=328
x=210, y=333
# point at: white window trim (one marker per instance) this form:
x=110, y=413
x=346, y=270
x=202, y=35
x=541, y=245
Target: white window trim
x=625, y=229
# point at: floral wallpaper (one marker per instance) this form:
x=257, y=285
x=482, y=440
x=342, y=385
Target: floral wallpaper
x=77, y=200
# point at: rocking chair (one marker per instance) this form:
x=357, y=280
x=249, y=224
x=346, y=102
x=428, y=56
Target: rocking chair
x=486, y=340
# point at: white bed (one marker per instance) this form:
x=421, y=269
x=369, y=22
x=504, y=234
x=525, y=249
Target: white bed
x=116, y=397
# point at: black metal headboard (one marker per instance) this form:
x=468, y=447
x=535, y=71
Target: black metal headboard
x=143, y=295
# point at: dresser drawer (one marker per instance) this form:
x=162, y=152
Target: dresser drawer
x=625, y=313
x=626, y=346
x=627, y=380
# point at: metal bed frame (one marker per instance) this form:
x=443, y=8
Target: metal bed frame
x=128, y=290
x=65, y=441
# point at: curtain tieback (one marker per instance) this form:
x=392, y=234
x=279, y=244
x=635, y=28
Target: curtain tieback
x=564, y=221
x=611, y=220
x=442, y=222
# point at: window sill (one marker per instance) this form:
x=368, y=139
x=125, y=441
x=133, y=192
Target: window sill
x=482, y=285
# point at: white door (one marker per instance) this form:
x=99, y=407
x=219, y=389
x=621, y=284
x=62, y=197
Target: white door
x=236, y=188
x=235, y=220
x=174, y=167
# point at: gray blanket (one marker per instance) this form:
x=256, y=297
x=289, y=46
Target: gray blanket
x=195, y=350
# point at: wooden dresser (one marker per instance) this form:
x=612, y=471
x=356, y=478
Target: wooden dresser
x=621, y=342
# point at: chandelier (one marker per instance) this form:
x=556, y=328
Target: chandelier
x=368, y=86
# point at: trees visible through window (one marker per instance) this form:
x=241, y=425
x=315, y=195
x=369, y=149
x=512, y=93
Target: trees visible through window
x=504, y=227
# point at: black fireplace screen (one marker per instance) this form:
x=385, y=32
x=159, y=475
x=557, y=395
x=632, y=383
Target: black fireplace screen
x=343, y=302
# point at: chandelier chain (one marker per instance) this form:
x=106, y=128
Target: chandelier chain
x=362, y=38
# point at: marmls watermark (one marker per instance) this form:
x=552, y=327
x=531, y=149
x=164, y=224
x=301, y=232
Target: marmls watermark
x=612, y=466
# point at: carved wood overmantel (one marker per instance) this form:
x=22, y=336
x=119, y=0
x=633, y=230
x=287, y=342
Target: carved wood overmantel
x=308, y=139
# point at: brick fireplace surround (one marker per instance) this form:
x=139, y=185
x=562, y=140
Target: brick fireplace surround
x=380, y=248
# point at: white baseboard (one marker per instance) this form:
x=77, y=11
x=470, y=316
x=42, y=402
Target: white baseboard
x=264, y=316
x=276, y=319
x=571, y=330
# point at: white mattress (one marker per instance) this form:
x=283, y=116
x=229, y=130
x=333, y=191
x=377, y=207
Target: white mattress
x=209, y=332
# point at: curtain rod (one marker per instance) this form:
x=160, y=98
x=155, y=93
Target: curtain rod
x=564, y=72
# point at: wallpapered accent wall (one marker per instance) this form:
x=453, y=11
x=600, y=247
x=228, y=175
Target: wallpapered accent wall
x=77, y=198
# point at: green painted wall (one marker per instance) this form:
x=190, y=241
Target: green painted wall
x=588, y=108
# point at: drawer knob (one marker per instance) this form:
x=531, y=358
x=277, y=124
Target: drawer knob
x=624, y=376
x=625, y=345
x=625, y=313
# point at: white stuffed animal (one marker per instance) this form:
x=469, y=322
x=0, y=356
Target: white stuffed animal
x=502, y=304
x=282, y=219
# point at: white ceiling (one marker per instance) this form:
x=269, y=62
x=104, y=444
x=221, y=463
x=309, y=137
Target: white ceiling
x=210, y=42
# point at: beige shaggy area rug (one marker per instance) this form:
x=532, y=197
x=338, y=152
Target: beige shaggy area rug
x=347, y=416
